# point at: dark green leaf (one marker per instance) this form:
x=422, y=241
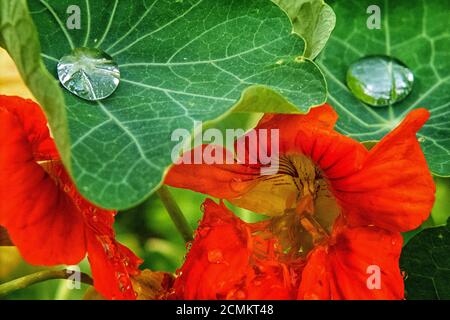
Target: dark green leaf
x=417, y=33
x=180, y=61
x=426, y=261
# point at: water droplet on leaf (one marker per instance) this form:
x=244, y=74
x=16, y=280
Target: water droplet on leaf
x=89, y=73
x=379, y=80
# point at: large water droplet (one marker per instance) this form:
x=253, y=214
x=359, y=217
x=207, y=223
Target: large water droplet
x=379, y=80
x=89, y=73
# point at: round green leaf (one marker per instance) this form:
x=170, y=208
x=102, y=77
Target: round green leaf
x=180, y=62
x=417, y=33
x=426, y=262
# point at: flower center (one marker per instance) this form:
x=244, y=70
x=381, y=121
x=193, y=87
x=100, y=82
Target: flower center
x=298, y=199
x=308, y=218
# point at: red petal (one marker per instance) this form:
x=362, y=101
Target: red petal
x=344, y=269
x=112, y=264
x=218, y=259
x=216, y=180
x=227, y=181
x=390, y=186
x=394, y=188
x=227, y=262
x=41, y=219
x=315, y=281
x=34, y=125
x=46, y=217
x=323, y=116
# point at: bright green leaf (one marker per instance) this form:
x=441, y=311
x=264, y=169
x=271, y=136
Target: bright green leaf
x=426, y=261
x=180, y=61
x=419, y=35
x=313, y=20
x=441, y=208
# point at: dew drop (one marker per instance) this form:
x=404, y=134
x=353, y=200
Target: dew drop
x=379, y=80
x=124, y=284
x=215, y=256
x=240, y=295
x=89, y=73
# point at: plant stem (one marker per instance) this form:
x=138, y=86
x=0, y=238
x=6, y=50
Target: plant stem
x=37, y=277
x=4, y=238
x=175, y=213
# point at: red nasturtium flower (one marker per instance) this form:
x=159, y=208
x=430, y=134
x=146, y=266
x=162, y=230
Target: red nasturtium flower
x=46, y=218
x=335, y=205
x=231, y=259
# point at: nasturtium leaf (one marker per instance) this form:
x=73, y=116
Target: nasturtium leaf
x=426, y=263
x=313, y=20
x=418, y=34
x=180, y=61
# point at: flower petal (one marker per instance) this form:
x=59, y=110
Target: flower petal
x=34, y=124
x=112, y=266
x=41, y=219
x=315, y=281
x=235, y=181
x=227, y=262
x=394, y=188
x=218, y=258
x=348, y=268
x=216, y=180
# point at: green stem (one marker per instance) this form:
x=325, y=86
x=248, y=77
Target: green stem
x=4, y=238
x=37, y=277
x=175, y=213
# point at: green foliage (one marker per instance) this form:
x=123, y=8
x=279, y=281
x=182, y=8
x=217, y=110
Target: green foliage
x=426, y=261
x=418, y=34
x=180, y=62
x=313, y=20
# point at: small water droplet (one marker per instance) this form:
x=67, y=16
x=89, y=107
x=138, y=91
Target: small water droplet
x=380, y=80
x=215, y=256
x=240, y=295
x=89, y=73
x=124, y=284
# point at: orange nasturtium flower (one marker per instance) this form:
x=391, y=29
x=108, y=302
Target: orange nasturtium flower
x=336, y=208
x=46, y=218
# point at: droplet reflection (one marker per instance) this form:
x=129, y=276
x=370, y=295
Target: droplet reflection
x=379, y=80
x=89, y=73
